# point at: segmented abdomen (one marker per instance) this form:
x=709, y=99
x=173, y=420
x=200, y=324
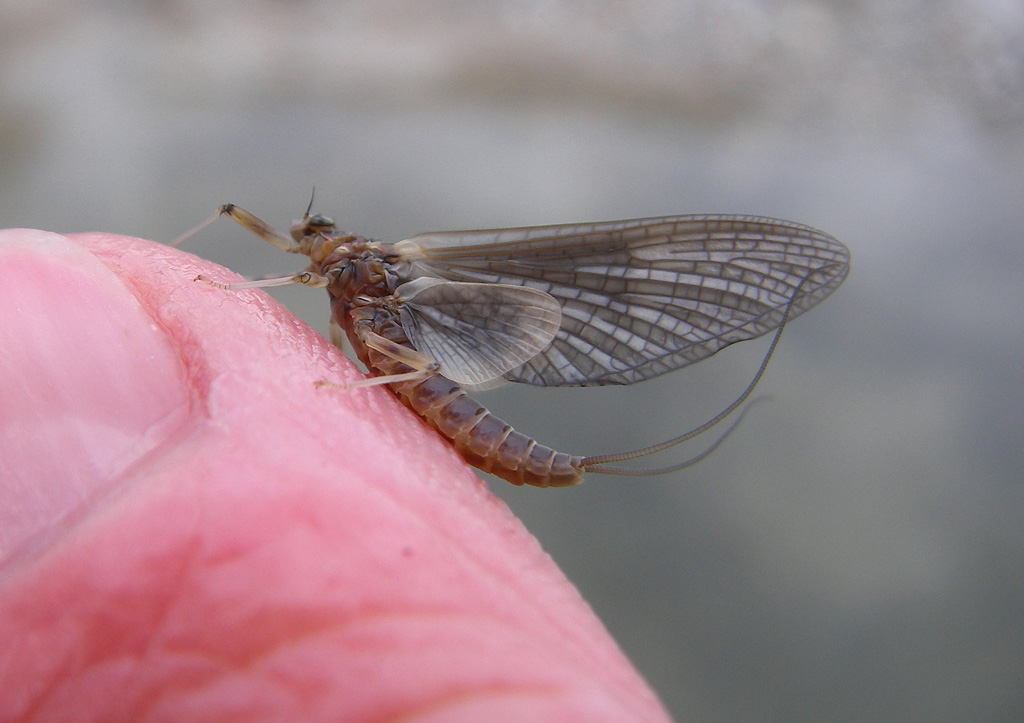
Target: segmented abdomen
x=482, y=439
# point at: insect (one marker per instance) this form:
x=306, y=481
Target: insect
x=569, y=305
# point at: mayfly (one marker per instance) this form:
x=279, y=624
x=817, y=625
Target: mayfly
x=567, y=305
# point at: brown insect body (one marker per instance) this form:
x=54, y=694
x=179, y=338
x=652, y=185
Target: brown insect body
x=362, y=283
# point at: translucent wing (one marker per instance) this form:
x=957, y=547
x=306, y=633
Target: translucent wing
x=477, y=332
x=642, y=297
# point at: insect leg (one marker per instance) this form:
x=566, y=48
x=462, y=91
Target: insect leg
x=306, y=278
x=337, y=334
x=247, y=221
x=422, y=365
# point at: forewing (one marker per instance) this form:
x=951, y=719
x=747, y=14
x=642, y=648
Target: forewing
x=642, y=297
x=477, y=332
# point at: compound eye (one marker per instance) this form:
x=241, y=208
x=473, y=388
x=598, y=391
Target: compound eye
x=318, y=221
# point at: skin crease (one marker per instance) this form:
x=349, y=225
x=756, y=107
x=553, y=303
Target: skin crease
x=191, y=530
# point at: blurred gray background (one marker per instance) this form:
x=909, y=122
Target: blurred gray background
x=855, y=550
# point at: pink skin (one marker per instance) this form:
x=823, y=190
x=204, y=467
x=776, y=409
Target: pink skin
x=191, y=530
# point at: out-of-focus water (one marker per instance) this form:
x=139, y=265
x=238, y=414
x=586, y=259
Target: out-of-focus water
x=853, y=551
